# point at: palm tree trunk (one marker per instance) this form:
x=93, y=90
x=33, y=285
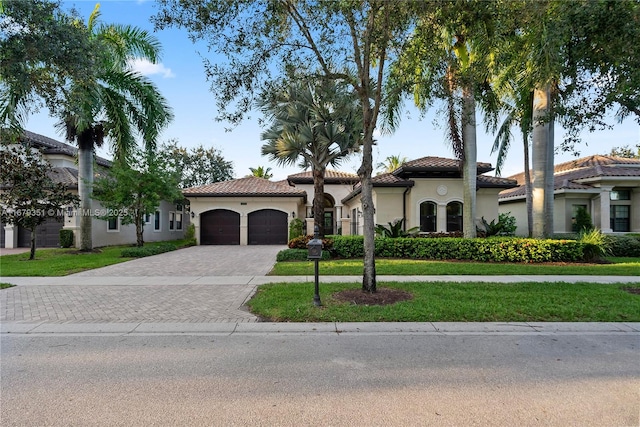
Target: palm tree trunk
x=527, y=185
x=85, y=187
x=469, y=163
x=548, y=177
x=318, y=198
x=540, y=150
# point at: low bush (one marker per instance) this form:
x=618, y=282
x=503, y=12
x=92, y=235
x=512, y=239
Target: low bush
x=295, y=228
x=624, y=246
x=66, y=238
x=298, y=255
x=495, y=249
x=140, y=252
x=301, y=242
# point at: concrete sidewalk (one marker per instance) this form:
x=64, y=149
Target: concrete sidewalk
x=261, y=280
x=216, y=304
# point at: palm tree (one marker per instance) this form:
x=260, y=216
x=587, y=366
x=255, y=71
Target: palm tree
x=519, y=112
x=315, y=124
x=115, y=106
x=261, y=172
x=391, y=163
x=448, y=59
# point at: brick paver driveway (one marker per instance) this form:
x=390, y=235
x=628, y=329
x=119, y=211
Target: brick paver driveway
x=198, y=261
x=183, y=286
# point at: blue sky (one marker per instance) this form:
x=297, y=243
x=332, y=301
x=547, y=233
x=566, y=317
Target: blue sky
x=181, y=79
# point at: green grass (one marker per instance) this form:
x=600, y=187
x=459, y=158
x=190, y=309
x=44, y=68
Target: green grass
x=6, y=285
x=403, y=267
x=459, y=302
x=60, y=262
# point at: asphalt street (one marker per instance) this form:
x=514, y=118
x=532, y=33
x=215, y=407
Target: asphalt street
x=321, y=379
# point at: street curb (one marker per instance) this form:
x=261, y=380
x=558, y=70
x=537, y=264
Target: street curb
x=346, y=328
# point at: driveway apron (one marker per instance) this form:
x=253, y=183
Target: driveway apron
x=183, y=286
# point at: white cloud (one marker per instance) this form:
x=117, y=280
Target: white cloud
x=147, y=68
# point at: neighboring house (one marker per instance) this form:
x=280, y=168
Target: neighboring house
x=168, y=223
x=427, y=192
x=607, y=187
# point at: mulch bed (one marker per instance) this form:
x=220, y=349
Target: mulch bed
x=383, y=296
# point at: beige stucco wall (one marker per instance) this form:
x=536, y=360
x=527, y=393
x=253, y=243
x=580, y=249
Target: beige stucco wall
x=519, y=211
x=389, y=202
x=244, y=206
x=126, y=234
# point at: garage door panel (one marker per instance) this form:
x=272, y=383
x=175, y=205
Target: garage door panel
x=47, y=235
x=220, y=227
x=268, y=227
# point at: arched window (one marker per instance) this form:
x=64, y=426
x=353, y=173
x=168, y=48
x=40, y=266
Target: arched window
x=428, y=217
x=454, y=216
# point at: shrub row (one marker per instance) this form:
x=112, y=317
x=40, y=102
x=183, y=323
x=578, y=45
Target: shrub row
x=301, y=242
x=148, y=250
x=624, y=246
x=298, y=255
x=507, y=249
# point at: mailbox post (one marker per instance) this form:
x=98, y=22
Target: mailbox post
x=315, y=253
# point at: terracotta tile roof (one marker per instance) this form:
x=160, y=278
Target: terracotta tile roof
x=51, y=146
x=330, y=177
x=438, y=164
x=248, y=186
x=486, y=181
x=572, y=175
x=383, y=180
x=66, y=176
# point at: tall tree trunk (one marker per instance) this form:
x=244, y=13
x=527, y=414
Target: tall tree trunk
x=469, y=163
x=32, y=253
x=318, y=198
x=527, y=186
x=539, y=151
x=85, y=187
x=139, y=227
x=365, y=171
x=548, y=176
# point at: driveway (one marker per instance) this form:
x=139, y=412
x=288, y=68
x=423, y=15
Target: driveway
x=197, y=261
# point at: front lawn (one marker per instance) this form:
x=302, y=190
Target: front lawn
x=60, y=262
x=455, y=302
x=405, y=267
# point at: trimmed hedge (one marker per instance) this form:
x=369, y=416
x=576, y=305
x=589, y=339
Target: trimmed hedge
x=298, y=255
x=301, y=242
x=148, y=250
x=506, y=249
x=66, y=238
x=624, y=246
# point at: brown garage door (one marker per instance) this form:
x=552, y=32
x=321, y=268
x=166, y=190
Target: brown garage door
x=268, y=227
x=47, y=235
x=220, y=227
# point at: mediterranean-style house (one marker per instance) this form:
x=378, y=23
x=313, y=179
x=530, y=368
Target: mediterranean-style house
x=607, y=187
x=167, y=223
x=426, y=193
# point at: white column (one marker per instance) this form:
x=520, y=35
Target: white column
x=605, y=205
x=441, y=219
x=338, y=218
x=10, y=236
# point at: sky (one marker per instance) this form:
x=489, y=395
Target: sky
x=181, y=79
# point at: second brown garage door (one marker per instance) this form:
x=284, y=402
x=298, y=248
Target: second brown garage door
x=268, y=227
x=220, y=227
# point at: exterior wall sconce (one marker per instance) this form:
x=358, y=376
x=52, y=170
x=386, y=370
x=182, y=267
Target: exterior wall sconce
x=293, y=214
x=193, y=214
